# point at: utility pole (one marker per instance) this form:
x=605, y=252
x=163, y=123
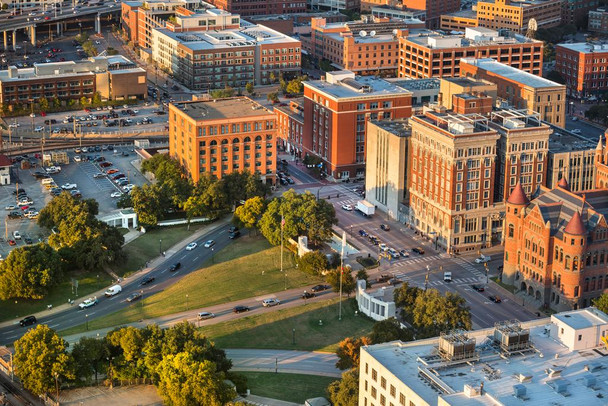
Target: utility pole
x=341, y=272
x=284, y=275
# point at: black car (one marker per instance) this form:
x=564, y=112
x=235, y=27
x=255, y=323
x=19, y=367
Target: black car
x=51, y=121
x=234, y=235
x=27, y=240
x=308, y=295
x=240, y=309
x=478, y=288
x=14, y=215
x=384, y=278
x=362, y=233
x=18, y=191
x=134, y=296
x=28, y=321
x=320, y=288
x=395, y=282
x=495, y=299
x=418, y=250
x=175, y=267
x=147, y=279
x=385, y=227
x=232, y=229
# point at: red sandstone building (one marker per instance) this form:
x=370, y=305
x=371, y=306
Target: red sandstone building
x=584, y=67
x=434, y=9
x=335, y=113
x=256, y=7
x=290, y=126
x=218, y=137
x=556, y=246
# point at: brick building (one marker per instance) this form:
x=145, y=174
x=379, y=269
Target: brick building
x=515, y=15
x=571, y=157
x=584, y=67
x=218, y=137
x=458, y=20
x=290, y=126
x=598, y=21
x=521, y=89
x=575, y=11
x=434, y=9
x=556, y=246
x=255, y=7
x=601, y=163
x=335, y=112
x=114, y=77
x=431, y=54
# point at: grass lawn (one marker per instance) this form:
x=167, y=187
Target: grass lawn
x=249, y=267
x=301, y=387
x=87, y=283
x=510, y=288
x=275, y=329
x=147, y=246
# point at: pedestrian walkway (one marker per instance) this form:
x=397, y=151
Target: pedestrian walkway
x=470, y=267
x=262, y=401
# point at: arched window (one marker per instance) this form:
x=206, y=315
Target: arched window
x=268, y=137
x=586, y=285
x=556, y=253
x=511, y=230
x=575, y=264
x=592, y=287
x=235, y=140
x=561, y=255
x=595, y=258
x=247, y=139
x=600, y=280
x=554, y=280
x=224, y=141
x=258, y=138
x=567, y=262
x=214, y=142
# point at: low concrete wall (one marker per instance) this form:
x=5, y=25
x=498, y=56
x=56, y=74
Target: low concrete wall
x=372, y=305
x=181, y=221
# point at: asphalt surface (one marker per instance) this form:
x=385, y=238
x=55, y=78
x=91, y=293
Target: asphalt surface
x=73, y=316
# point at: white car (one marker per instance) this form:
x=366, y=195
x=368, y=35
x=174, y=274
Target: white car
x=347, y=207
x=14, y=125
x=77, y=158
x=128, y=187
x=69, y=186
x=10, y=207
x=209, y=244
x=205, y=315
x=39, y=129
x=383, y=247
x=90, y=302
x=576, y=131
x=191, y=246
x=85, y=149
x=116, y=194
x=482, y=259
x=270, y=302
x=31, y=214
x=25, y=202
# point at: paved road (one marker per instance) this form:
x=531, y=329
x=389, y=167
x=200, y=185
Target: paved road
x=301, y=362
x=72, y=316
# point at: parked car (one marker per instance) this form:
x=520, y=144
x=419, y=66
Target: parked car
x=69, y=186
x=12, y=243
x=115, y=194
x=320, y=288
x=27, y=240
x=240, y=309
x=28, y=321
x=270, y=302
x=205, y=315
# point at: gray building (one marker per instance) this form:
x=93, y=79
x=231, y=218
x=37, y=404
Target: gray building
x=572, y=157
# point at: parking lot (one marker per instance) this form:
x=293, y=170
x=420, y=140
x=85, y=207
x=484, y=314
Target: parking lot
x=80, y=173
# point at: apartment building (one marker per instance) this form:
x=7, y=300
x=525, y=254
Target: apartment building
x=536, y=362
x=516, y=15
x=218, y=137
x=114, y=77
x=212, y=59
x=256, y=8
x=335, y=112
x=336, y=4
x=571, y=157
x=139, y=18
x=583, y=66
x=598, y=21
x=458, y=20
x=576, y=11
x=556, y=246
x=386, y=172
x=290, y=126
x=365, y=47
x=427, y=54
x=433, y=8
x=520, y=89
x=452, y=88
x=397, y=11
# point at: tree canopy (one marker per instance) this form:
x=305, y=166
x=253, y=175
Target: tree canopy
x=345, y=392
x=349, y=284
x=249, y=214
x=602, y=303
x=348, y=352
x=389, y=330
x=313, y=263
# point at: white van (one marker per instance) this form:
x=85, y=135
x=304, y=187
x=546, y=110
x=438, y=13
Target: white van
x=447, y=276
x=113, y=290
x=47, y=181
x=16, y=235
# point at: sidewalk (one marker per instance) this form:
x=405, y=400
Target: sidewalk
x=151, y=265
x=262, y=401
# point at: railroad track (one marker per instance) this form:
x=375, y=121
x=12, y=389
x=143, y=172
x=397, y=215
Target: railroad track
x=11, y=391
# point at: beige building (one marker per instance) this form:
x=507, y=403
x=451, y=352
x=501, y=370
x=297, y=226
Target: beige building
x=550, y=361
x=450, y=87
x=386, y=170
x=520, y=89
x=571, y=157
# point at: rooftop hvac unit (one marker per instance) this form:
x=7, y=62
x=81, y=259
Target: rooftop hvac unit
x=594, y=366
x=514, y=123
x=461, y=127
x=456, y=346
x=589, y=380
x=519, y=391
x=511, y=337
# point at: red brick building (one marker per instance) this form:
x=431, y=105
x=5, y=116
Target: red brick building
x=584, y=67
x=556, y=246
x=335, y=113
x=254, y=7
x=434, y=9
x=290, y=126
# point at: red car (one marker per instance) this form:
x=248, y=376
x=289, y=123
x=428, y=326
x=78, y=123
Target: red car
x=12, y=242
x=43, y=114
x=111, y=171
x=24, y=208
x=47, y=18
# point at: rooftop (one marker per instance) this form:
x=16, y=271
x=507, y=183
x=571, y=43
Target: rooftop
x=582, y=319
x=562, y=140
x=247, y=35
x=473, y=37
x=511, y=73
x=418, y=84
x=400, y=128
x=547, y=373
x=522, y=3
x=344, y=85
x=232, y=108
x=586, y=47
x=469, y=13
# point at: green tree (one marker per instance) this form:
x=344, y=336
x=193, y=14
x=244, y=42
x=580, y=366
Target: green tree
x=295, y=86
x=389, y=330
x=405, y=299
x=348, y=282
x=313, y=263
x=184, y=381
x=602, y=303
x=248, y=214
x=84, y=101
x=434, y=313
x=345, y=392
x=170, y=177
x=273, y=97
x=40, y=356
x=150, y=202
x=348, y=352
x=28, y=272
x=363, y=276
x=249, y=87
x=56, y=102
x=222, y=93
x=90, y=358
x=96, y=99
x=43, y=102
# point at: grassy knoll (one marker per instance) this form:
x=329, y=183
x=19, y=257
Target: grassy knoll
x=301, y=387
x=275, y=329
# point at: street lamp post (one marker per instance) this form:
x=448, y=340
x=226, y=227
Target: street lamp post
x=293, y=338
x=187, y=303
x=86, y=317
x=485, y=264
x=56, y=375
x=160, y=247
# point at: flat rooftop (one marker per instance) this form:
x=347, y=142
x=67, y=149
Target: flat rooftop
x=581, y=319
x=418, y=84
x=400, y=128
x=342, y=90
x=368, y=39
x=564, y=141
x=416, y=364
x=585, y=47
x=424, y=37
x=511, y=73
x=468, y=13
x=233, y=108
